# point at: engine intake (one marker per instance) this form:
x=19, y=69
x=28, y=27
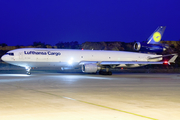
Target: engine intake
x=137, y=46
x=90, y=68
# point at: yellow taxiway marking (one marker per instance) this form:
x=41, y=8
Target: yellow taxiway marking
x=96, y=105
x=87, y=103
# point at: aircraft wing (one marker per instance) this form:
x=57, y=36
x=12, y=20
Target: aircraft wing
x=119, y=62
x=128, y=62
x=172, y=60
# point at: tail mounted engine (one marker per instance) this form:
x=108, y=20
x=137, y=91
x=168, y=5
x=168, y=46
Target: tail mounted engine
x=153, y=44
x=137, y=46
x=153, y=48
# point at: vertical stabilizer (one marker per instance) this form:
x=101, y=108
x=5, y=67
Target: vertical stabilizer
x=155, y=38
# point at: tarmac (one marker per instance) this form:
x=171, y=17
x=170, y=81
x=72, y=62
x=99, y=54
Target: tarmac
x=78, y=96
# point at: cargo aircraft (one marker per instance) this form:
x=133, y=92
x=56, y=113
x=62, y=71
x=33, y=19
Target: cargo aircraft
x=92, y=61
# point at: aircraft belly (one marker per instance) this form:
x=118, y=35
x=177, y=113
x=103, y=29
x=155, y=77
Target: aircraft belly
x=41, y=64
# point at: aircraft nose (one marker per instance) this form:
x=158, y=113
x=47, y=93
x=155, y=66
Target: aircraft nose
x=3, y=58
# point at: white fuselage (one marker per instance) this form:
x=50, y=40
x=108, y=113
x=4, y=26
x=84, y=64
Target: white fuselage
x=42, y=57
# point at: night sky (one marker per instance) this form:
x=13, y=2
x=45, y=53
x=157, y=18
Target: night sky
x=24, y=21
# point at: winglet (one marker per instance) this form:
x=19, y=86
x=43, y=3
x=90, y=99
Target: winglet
x=172, y=60
x=155, y=38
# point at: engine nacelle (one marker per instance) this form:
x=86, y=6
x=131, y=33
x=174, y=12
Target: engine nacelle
x=90, y=68
x=137, y=46
x=155, y=48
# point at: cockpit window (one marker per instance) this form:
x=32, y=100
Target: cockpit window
x=11, y=54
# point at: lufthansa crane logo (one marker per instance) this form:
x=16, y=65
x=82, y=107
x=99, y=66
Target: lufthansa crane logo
x=157, y=36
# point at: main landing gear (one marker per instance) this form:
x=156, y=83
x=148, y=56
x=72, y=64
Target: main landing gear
x=105, y=72
x=28, y=69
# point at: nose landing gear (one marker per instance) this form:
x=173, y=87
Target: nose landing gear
x=28, y=69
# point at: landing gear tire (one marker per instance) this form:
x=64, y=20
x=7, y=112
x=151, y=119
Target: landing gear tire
x=28, y=73
x=100, y=72
x=109, y=73
x=105, y=73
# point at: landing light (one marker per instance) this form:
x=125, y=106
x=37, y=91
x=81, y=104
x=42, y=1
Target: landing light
x=70, y=61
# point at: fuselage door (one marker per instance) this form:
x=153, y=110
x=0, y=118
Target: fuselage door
x=21, y=55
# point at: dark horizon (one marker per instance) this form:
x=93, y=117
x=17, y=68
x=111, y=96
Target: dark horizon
x=75, y=41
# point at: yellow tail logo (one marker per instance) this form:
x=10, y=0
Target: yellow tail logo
x=157, y=36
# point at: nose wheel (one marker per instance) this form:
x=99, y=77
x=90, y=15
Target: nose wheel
x=28, y=69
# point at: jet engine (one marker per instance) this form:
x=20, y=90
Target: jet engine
x=153, y=48
x=90, y=68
